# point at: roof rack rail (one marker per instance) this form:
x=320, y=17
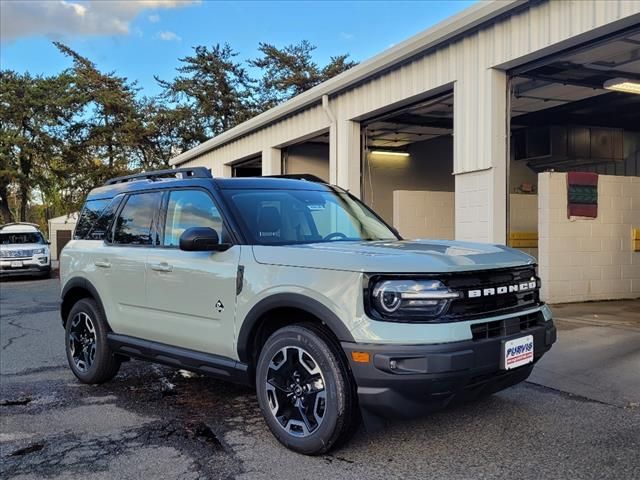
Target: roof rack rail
x=299, y=176
x=193, y=172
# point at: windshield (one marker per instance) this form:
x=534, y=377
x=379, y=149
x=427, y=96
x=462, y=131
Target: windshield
x=19, y=238
x=280, y=217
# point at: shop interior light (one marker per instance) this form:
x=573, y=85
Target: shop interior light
x=623, y=85
x=389, y=152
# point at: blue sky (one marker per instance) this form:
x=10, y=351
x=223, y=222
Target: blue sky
x=138, y=39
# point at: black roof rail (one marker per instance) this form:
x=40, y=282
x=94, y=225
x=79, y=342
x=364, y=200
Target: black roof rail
x=193, y=172
x=299, y=176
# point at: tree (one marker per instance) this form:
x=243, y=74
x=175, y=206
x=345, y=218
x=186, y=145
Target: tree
x=291, y=70
x=33, y=111
x=214, y=88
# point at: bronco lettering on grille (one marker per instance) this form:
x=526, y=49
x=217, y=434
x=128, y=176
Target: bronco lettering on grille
x=487, y=292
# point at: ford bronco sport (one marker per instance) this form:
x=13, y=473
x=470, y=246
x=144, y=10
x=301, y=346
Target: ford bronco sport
x=296, y=287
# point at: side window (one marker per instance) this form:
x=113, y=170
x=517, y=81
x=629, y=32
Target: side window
x=90, y=213
x=101, y=227
x=135, y=223
x=190, y=208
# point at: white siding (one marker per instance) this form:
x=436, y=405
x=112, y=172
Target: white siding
x=540, y=29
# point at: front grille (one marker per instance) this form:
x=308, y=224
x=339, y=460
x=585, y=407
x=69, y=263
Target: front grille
x=16, y=253
x=469, y=307
x=510, y=326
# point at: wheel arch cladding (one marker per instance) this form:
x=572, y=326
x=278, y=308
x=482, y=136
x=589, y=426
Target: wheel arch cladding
x=260, y=314
x=75, y=290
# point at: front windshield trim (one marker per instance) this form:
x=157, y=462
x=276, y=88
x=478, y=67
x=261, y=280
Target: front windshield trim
x=341, y=198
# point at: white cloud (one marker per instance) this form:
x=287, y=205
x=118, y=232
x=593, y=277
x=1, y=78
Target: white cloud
x=65, y=18
x=347, y=35
x=155, y=18
x=168, y=36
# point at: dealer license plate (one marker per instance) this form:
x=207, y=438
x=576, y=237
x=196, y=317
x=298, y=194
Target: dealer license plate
x=16, y=264
x=517, y=352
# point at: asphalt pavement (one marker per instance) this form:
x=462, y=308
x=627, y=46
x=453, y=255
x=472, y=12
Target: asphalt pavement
x=156, y=422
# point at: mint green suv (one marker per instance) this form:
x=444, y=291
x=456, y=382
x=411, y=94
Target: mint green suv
x=299, y=289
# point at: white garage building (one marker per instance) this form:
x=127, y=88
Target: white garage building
x=472, y=130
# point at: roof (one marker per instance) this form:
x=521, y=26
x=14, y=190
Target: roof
x=463, y=23
x=109, y=191
x=19, y=228
x=270, y=183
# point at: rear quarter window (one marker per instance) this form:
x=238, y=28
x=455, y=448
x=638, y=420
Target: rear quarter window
x=90, y=213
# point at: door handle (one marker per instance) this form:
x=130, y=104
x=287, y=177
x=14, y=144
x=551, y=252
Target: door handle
x=162, y=267
x=102, y=264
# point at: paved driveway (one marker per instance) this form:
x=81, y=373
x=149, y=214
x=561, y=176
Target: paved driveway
x=155, y=422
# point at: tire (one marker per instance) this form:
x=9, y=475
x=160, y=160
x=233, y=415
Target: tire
x=322, y=389
x=88, y=353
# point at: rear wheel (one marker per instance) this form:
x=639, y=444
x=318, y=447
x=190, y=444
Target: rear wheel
x=304, y=390
x=88, y=352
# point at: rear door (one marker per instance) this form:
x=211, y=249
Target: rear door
x=192, y=295
x=131, y=239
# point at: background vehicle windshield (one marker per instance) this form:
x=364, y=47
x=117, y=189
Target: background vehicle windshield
x=277, y=217
x=19, y=238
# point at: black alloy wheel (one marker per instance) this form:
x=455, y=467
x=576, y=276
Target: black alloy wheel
x=295, y=390
x=305, y=389
x=82, y=341
x=88, y=353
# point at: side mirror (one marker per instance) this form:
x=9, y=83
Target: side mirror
x=201, y=239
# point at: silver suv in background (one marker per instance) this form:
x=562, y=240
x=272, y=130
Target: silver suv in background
x=23, y=250
x=299, y=289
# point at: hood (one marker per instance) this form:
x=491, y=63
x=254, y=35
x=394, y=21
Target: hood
x=401, y=256
x=22, y=246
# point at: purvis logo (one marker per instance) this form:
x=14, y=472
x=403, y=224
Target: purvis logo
x=518, y=287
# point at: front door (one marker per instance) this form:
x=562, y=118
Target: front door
x=124, y=264
x=192, y=295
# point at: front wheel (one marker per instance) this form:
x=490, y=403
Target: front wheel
x=304, y=390
x=88, y=352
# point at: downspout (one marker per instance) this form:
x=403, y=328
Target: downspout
x=508, y=153
x=333, y=130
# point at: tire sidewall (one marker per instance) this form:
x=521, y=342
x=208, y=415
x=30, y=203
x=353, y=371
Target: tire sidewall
x=334, y=382
x=102, y=350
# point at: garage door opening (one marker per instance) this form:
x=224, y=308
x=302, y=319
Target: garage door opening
x=574, y=169
x=407, y=168
x=308, y=157
x=247, y=168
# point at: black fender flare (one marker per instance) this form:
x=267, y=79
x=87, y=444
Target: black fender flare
x=288, y=300
x=83, y=283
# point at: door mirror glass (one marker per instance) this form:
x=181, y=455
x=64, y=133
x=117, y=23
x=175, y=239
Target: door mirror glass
x=201, y=239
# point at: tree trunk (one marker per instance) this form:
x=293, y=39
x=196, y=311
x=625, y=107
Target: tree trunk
x=24, y=201
x=5, y=212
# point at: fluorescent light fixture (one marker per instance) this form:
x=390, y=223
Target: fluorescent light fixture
x=623, y=85
x=389, y=152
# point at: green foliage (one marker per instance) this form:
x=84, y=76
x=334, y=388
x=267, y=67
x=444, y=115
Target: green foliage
x=291, y=70
x=62, y=135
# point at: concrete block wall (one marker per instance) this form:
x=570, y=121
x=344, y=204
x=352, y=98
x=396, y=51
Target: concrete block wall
x=588, y=259
x=424, y=214
x=472, y=205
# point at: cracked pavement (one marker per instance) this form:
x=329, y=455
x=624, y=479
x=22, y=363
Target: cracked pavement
x=156, y=422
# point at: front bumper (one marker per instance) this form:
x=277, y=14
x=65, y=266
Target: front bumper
x=39, y=265
x=403, y=381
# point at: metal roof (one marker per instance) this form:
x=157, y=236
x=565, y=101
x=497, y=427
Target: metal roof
x=465, y=22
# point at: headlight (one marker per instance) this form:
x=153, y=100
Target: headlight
x=411, y=299
x=38, y=251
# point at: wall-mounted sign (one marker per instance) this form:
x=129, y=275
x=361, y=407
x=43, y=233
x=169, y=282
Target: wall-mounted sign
x=582, y=194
